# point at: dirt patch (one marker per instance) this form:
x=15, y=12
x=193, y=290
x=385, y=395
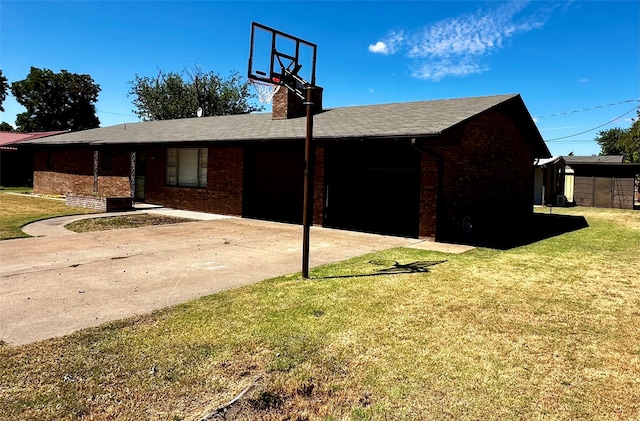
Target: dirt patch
x=121, y=222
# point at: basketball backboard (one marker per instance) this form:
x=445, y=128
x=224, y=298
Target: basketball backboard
x=281, y=59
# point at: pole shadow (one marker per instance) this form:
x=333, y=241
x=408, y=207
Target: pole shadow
x=392, y=268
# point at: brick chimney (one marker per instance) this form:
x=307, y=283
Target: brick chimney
x=286, y=104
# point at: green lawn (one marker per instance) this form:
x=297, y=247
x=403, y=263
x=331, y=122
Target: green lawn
x=18, y=208
x=550, y=330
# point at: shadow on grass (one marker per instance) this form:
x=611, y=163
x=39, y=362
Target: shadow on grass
x=537, y=227
x=394, y=268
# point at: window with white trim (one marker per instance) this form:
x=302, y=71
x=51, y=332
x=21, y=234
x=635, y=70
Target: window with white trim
x=187, y=167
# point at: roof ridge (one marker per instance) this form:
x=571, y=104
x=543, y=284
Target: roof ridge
x=512, y=95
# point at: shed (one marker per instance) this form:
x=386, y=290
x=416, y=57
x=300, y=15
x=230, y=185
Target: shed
x=441, y=169
x=549, y=181
x=604, y=181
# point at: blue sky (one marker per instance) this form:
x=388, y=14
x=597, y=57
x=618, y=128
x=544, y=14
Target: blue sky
x=575, y=63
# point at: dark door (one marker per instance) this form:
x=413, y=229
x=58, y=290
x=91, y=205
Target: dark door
x=373, y=188
x=602, y=192
x=273, y=183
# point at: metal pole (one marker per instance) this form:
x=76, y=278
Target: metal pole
x=308, y=186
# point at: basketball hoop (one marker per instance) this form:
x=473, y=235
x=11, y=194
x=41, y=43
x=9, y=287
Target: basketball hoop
x=265, y=90
x=277, y=59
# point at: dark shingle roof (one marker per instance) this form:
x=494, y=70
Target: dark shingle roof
x=593, y=159
x=424, y=118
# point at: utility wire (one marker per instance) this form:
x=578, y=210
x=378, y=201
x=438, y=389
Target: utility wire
x=109, y=112
x=589, y=108
x=586, y=131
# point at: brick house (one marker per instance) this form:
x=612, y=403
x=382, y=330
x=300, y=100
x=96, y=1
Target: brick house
x=429, y=169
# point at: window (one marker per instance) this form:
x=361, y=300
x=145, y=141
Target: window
x=187, y=167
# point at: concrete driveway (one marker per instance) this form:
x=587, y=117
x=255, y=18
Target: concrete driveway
x=57, y=284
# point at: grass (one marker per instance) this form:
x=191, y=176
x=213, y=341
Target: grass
x=550, y=330
x=17, y=209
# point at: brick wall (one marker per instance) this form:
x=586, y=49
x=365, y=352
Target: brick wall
x=114, y=185
x=101, y=203
x=114, y=172
x=429, y=173
x=62, y=171
x=223, y=194
x=51, y=182
x=90, y=202
x=487, y=178
x=287, y=104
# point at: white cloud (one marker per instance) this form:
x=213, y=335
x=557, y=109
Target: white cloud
x=379, y=48
x=440, y=69
x=583, y=80
x=391, y=44
x=459, y=46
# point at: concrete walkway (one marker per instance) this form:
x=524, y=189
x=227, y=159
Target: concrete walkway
x=56, y=226
x=62, y=281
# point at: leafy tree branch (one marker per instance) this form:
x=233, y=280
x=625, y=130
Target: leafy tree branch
x=618, y=141
x=179, y=95
x=56, y=101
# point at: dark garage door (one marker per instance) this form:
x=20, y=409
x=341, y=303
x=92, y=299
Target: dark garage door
x=273, y=183
x=373, y=188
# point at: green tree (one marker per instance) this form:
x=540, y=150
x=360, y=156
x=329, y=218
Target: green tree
x=4, y=88
x=56, y=101
x=173, y=95
x=6, y=127
x=630, y=142
x=618, y=141
x=609, y=141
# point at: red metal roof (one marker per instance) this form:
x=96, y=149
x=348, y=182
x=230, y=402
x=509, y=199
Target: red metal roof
x=10, y=138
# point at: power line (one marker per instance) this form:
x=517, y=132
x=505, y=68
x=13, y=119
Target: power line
x=573, y=141
x=588, y=109
x=109, y=112
x=586, y=131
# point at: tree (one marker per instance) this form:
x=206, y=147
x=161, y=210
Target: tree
x=6, y=127
x=630, y=142
x=4, y=88
x=173, y=95
x=56, y=101
x=625, y=142
x=609, y=141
